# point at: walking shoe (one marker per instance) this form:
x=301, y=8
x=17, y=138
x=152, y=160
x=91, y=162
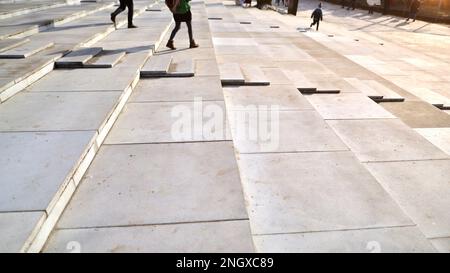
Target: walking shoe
x=132, y=26
x=170, y=45
x=193, y=44
x=113, y=19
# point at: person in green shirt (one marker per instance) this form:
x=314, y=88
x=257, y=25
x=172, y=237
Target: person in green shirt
x=182, y=13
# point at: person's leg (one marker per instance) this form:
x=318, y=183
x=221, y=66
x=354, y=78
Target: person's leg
x=121, y=8
x=130, y=7
x=414, y=16
x=317, y=26
x=175, y=30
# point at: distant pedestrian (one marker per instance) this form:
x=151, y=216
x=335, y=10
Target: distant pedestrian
x=372, y=4
x=247, y=3
x=181, y=13
x=317, y=16
x=352, y=5
x=124, y=4
x=413, y=10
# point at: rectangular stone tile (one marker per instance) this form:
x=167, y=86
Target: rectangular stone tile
x=418, y=114
x=226, y=236
x=300, y=192
x=388, y=94
x=177, y=89
x=276, y=76
x=440, y=137
x=78, y=57
x=170, y=122
x=347, y=106
x=254, y=75
x=234, y=41
x=7, y=44
x=106, y=59
x=46, y=159
x=384, y=140
x=364, y=88
x=86, y=80
x=441, y=244
x=231, y=74
x=57, y=111
x=25, y=50
x=421, y=188
x=184, y=68
x=17, y=229
x=167, y=183
x=284, y=131
x=380, y=240
x=157, y=65
x=206, y=68
x=284, y=97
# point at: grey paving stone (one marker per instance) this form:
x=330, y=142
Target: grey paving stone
x=418, y=114
x=157, y=65
x=380, y=240
x=169, y=122
x=206, y=68
x=77, y=58
x=440, y=137
x=388, y=94
x=364, y=88
x=106, y=59
x=441, y=244
x=254, y=75
x=46, y=159
x=231, y=74
x=86, y=80
x=57, y=111
x=227, y=236
x=421, y=188
x=177, y=89
x=7, y=44
x=347, y=106
x=167, y=183
x=185, y=68
x=384, y=140
x=287, y=131
x=285, y=97
x=17, y=228
x=301, y=192
x=25, y=50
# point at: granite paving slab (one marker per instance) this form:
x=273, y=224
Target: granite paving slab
x=301, y=192
x=440, y=137
x=421, y=188
x=226, y=236
x=17, y=228
x=384, y=140
x=155, y=175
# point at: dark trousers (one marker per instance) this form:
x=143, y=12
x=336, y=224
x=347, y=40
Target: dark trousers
x=315, y=22
x=177, y=27
x=125, y=4
x=413, y=15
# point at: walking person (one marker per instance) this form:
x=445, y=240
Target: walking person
x=352, y=5
x=124, y=4
x=181, y=13
x=317, y=16
x=413, y=10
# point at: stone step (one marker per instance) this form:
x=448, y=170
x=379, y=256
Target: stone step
x=431, y=97
x=77, y=58
x=364, y=88
x=25, y=50
x=254, y=75
x=388, y=94
x=157, y=66
x=13, y=9
x=231, y=74
x=105, y=59
x=184, y=68
x=8, y=44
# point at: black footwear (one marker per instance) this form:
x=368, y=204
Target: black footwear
x=113, y=19
x=192, y=44
x=132, y=26
x=170, y=45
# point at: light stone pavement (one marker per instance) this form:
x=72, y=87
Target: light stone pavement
x=361, y=164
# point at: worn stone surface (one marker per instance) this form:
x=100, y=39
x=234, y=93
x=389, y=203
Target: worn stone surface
x=303, y=192
x=384, y=140
x=440, y=137
x=46, y=159
x=228, y=236
x=379, y=240
x=156, y=174
x=16, y=228
x=421, y=189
